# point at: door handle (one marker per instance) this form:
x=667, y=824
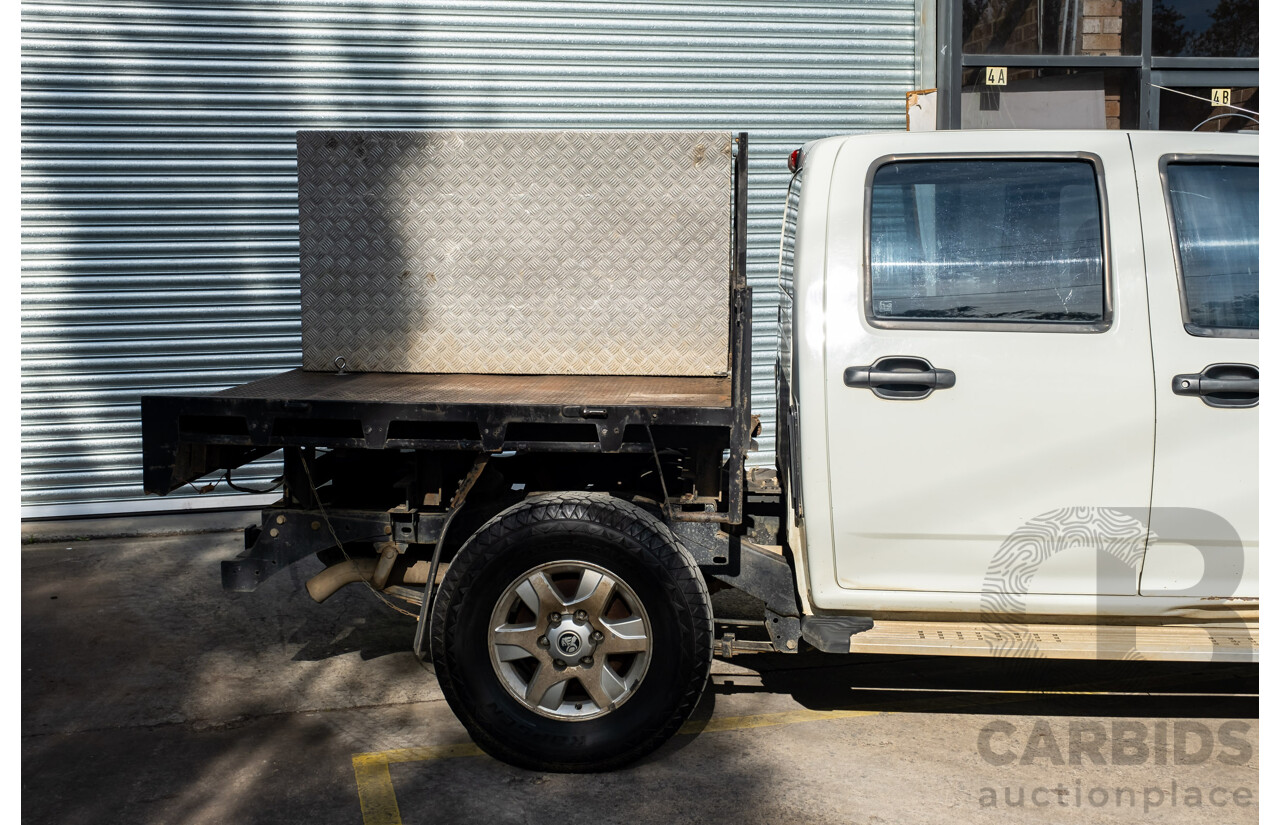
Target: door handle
x=1221, y=385
x=900, y=378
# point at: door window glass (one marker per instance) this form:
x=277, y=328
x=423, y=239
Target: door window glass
x=1215, y=217
x=987, y=240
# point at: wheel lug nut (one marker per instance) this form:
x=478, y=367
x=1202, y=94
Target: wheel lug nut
x=554, y=618
x=597, y=636
x=543, y=641
x=587, y=661
x=581, y=615
x=559, y=663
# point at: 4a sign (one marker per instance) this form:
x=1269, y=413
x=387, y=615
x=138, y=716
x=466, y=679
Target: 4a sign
x=997, y=76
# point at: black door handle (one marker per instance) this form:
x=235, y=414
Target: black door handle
x=1221, y=385
x=900, y=377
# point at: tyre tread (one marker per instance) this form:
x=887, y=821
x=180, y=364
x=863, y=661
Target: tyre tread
x=596, y=514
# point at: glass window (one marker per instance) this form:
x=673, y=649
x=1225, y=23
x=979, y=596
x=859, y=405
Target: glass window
x=1055, y=27
x=786, y=275
x=1215, y=217
x=1204, y=28
x=1051, y=99
x=1195, y=111
x=987, y=240
x=787, y=255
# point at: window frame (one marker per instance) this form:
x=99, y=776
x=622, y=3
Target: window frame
x=952, y=60
x=1108, y=308
x=1204, y=160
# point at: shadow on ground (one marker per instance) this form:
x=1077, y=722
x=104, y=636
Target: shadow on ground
x=149, y=695
x=952, y=684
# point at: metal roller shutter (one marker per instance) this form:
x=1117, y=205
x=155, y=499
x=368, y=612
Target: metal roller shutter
x=159, y=205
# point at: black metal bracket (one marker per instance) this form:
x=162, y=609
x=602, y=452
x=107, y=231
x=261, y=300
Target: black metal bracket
x=767, y=576
x=788, y=445
x=741, y=564
x=740, y=330
x=289, y=535
x=446, y=518
x=784, y=631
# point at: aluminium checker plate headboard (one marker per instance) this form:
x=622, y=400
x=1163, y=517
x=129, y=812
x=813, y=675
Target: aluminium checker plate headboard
x=516, y=252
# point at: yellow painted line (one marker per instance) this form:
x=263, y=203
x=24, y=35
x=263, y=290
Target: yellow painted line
x=378, y=802
x=378, y=797
x=423, y=754
x=766, y=720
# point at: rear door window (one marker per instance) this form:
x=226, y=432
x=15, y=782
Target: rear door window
x=1214, y=208
x=987, y=242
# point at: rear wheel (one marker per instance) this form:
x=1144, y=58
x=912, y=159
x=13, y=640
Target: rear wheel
x=572, y=633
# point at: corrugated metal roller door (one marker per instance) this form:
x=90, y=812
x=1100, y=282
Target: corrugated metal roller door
x=159, y=206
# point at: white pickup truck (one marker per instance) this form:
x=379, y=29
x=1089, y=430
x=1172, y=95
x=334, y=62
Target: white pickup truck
x=1017, y=416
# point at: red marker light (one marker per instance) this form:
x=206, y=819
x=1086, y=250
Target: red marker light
x=793, y=162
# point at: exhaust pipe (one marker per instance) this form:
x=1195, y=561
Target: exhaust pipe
x=332, y=579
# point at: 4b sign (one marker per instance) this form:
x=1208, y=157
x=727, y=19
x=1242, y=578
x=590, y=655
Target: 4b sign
x=1221, y=97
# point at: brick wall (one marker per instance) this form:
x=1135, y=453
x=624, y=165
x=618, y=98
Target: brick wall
x=1101, y=27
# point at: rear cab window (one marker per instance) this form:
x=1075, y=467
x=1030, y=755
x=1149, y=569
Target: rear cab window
x=988, y=243
x=1213, y=212
x=786, y=275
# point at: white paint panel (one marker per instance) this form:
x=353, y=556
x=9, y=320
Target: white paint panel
x=924, y=493
x=1204, y=501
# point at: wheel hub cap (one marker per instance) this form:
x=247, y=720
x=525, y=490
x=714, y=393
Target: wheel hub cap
x=569, y=640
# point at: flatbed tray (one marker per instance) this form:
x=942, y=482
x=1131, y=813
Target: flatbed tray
x=557, y=390
x=188, y=436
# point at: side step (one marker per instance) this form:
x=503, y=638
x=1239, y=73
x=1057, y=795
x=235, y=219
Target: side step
x=1166, y=643
x=831, y=634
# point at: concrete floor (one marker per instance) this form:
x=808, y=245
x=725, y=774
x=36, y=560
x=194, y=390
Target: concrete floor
x=151, y=696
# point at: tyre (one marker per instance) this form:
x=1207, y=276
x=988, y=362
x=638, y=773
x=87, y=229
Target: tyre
x=572, y=632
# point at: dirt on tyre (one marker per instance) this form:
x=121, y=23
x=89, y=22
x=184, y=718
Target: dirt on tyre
x=572, y=632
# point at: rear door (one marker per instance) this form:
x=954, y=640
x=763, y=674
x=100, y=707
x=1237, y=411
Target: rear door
x=1199, y=197
x=988, y=364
